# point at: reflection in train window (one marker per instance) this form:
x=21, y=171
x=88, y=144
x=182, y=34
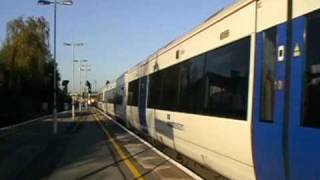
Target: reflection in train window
x=227, y=76
x=191, y=85
x=269, y=59
x=169, y=94
x=154, y=91
x=312, y=73
x=133, y=91
x=213, y=83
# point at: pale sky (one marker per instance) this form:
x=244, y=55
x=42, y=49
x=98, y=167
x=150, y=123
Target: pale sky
x=117, y=33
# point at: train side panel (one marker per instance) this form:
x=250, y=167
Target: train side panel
x=132, y=111
x=210, y=140
x=302, y=7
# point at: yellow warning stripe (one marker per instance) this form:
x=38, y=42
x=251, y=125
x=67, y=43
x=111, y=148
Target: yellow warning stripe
x=120, y=152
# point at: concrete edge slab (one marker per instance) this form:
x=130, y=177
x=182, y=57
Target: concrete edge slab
x=178, y=165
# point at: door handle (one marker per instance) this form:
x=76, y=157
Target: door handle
x=279, y=85
x=281, y=53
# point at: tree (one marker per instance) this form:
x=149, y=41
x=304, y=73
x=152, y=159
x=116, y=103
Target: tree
x=88, y=84
x=65, y=86
x=25, y=52
x=26, y=64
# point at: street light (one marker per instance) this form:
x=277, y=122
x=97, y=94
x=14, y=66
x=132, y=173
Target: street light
x=86, y=68
x=73, y=45
x=95, y=86
x=55, y=2
x=65, y=2
x=81, y=61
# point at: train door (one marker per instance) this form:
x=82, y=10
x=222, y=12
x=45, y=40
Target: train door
x=304, y=106
x=269, y=103
x=142, y=104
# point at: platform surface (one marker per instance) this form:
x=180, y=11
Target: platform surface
x=89, y=147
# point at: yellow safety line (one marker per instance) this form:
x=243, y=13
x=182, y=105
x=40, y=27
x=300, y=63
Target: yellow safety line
x=120, y=152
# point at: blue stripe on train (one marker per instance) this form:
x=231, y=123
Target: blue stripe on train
x=268, y=136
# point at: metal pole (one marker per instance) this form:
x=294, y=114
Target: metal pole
x=55, y=122
x=73, y=68
x=86, y=71
x=80, y=86
x=73, y=91
x=86, y=103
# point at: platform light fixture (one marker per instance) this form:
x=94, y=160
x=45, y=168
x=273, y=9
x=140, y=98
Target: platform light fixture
x=65, y=2
x=55, y=3
x=73, y=45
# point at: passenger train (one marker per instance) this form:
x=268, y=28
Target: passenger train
x=237, y=94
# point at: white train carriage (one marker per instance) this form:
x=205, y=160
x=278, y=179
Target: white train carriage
x=109, y=93
x=238, y=93
x=120, y=98
x=179, y=79
x=101, y=102
x=114, y=95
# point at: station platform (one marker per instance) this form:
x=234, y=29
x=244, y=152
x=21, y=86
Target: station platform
x=92, y=146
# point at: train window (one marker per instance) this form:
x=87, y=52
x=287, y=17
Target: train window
x=170, y=88
x=118, y=99
x=133, y=92
x=269, y=59
x=312, y=72
x=154, y=92
x=110, y=96
x=191, y=85
x=226, y=84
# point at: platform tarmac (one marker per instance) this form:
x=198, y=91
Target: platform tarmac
x=89, y=147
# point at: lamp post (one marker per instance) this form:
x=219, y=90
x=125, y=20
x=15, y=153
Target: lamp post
x=95, y=85
x=86, y=68
x=55, y=2
x=73, y=45
x=81, y=61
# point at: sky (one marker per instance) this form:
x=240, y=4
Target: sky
x=117, y=34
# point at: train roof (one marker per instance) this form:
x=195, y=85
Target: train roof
x=210, y=21
x=108, y=86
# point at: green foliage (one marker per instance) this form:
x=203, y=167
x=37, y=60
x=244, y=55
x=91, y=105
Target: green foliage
x=65, y=86
x=88, y=84
x=25, y=52
x=65, y=82
x=26, y=47
x=26, y=65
